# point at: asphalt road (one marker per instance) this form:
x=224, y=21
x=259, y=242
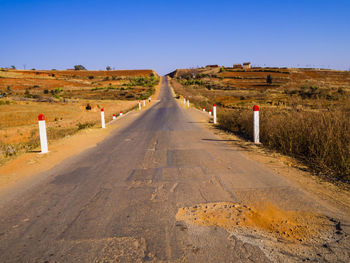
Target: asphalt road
x=117, y=202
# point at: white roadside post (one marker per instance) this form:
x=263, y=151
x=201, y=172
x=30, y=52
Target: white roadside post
x=42, y=132
x=203, y=109
x=103, y=123
x=139, y=105
x=214, y=112
x=149, y=99
x=184, y=100
x=114, y=117
x=256, y=124
x=188, y=103
x=209, y=112
x=144, y=103
x=121, y=113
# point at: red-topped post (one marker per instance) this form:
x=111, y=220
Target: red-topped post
x=114, y=117
x=103, y=123
x=214, y=113
x=203, y=109
x=209, y=112
x=256, y=123
x=121, y=113
x=42, y=133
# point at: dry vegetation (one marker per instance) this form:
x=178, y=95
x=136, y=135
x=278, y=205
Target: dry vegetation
x=305, y=113
x=70, y=100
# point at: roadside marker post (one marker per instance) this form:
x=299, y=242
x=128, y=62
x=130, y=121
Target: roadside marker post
x=42, y=133
x=256, y=123
x=184, y=100
x=209, y=112
x=214, y=112
x=121, y=113
x=144, y=103
x=203, y=109
x=103, y=123
x=139, y=105
x=114, y=117
x=188, y=103
x=149, y=99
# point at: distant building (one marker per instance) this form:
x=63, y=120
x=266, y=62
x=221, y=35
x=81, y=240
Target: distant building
x=237, y=66
x=247, y=65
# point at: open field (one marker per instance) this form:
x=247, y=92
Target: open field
x=305, y=113
x=69, y=84
x=70, y=101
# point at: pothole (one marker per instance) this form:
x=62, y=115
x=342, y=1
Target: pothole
x=293, y=226
x=284, y=236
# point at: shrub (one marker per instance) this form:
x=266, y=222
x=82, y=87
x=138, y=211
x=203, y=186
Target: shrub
x=90, y=77
x=79, y=67
x=143, y=81
x=269, y=79
x=27, y=94
x=314, y=92
x=58, y=90
x=5, y=102
x=85, y=125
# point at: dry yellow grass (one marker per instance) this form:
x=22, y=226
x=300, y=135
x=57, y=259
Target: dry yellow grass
x=19, y=121
x=320, y=139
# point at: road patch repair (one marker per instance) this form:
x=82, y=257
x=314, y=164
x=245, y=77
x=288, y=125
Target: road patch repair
x=282, y=235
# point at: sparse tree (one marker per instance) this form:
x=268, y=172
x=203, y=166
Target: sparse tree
x=269, y=79
x=108, y=68
x=13, y=67
x=79, y=67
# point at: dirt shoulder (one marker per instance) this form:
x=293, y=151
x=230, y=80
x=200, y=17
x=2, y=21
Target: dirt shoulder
x=33, y=163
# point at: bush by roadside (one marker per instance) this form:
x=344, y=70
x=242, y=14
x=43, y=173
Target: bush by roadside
x=320, y=139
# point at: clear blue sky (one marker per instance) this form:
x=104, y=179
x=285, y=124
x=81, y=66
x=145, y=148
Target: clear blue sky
x=165, y=35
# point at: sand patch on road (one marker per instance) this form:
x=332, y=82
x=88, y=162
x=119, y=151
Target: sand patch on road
x=292, y=226
x=284, y=236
